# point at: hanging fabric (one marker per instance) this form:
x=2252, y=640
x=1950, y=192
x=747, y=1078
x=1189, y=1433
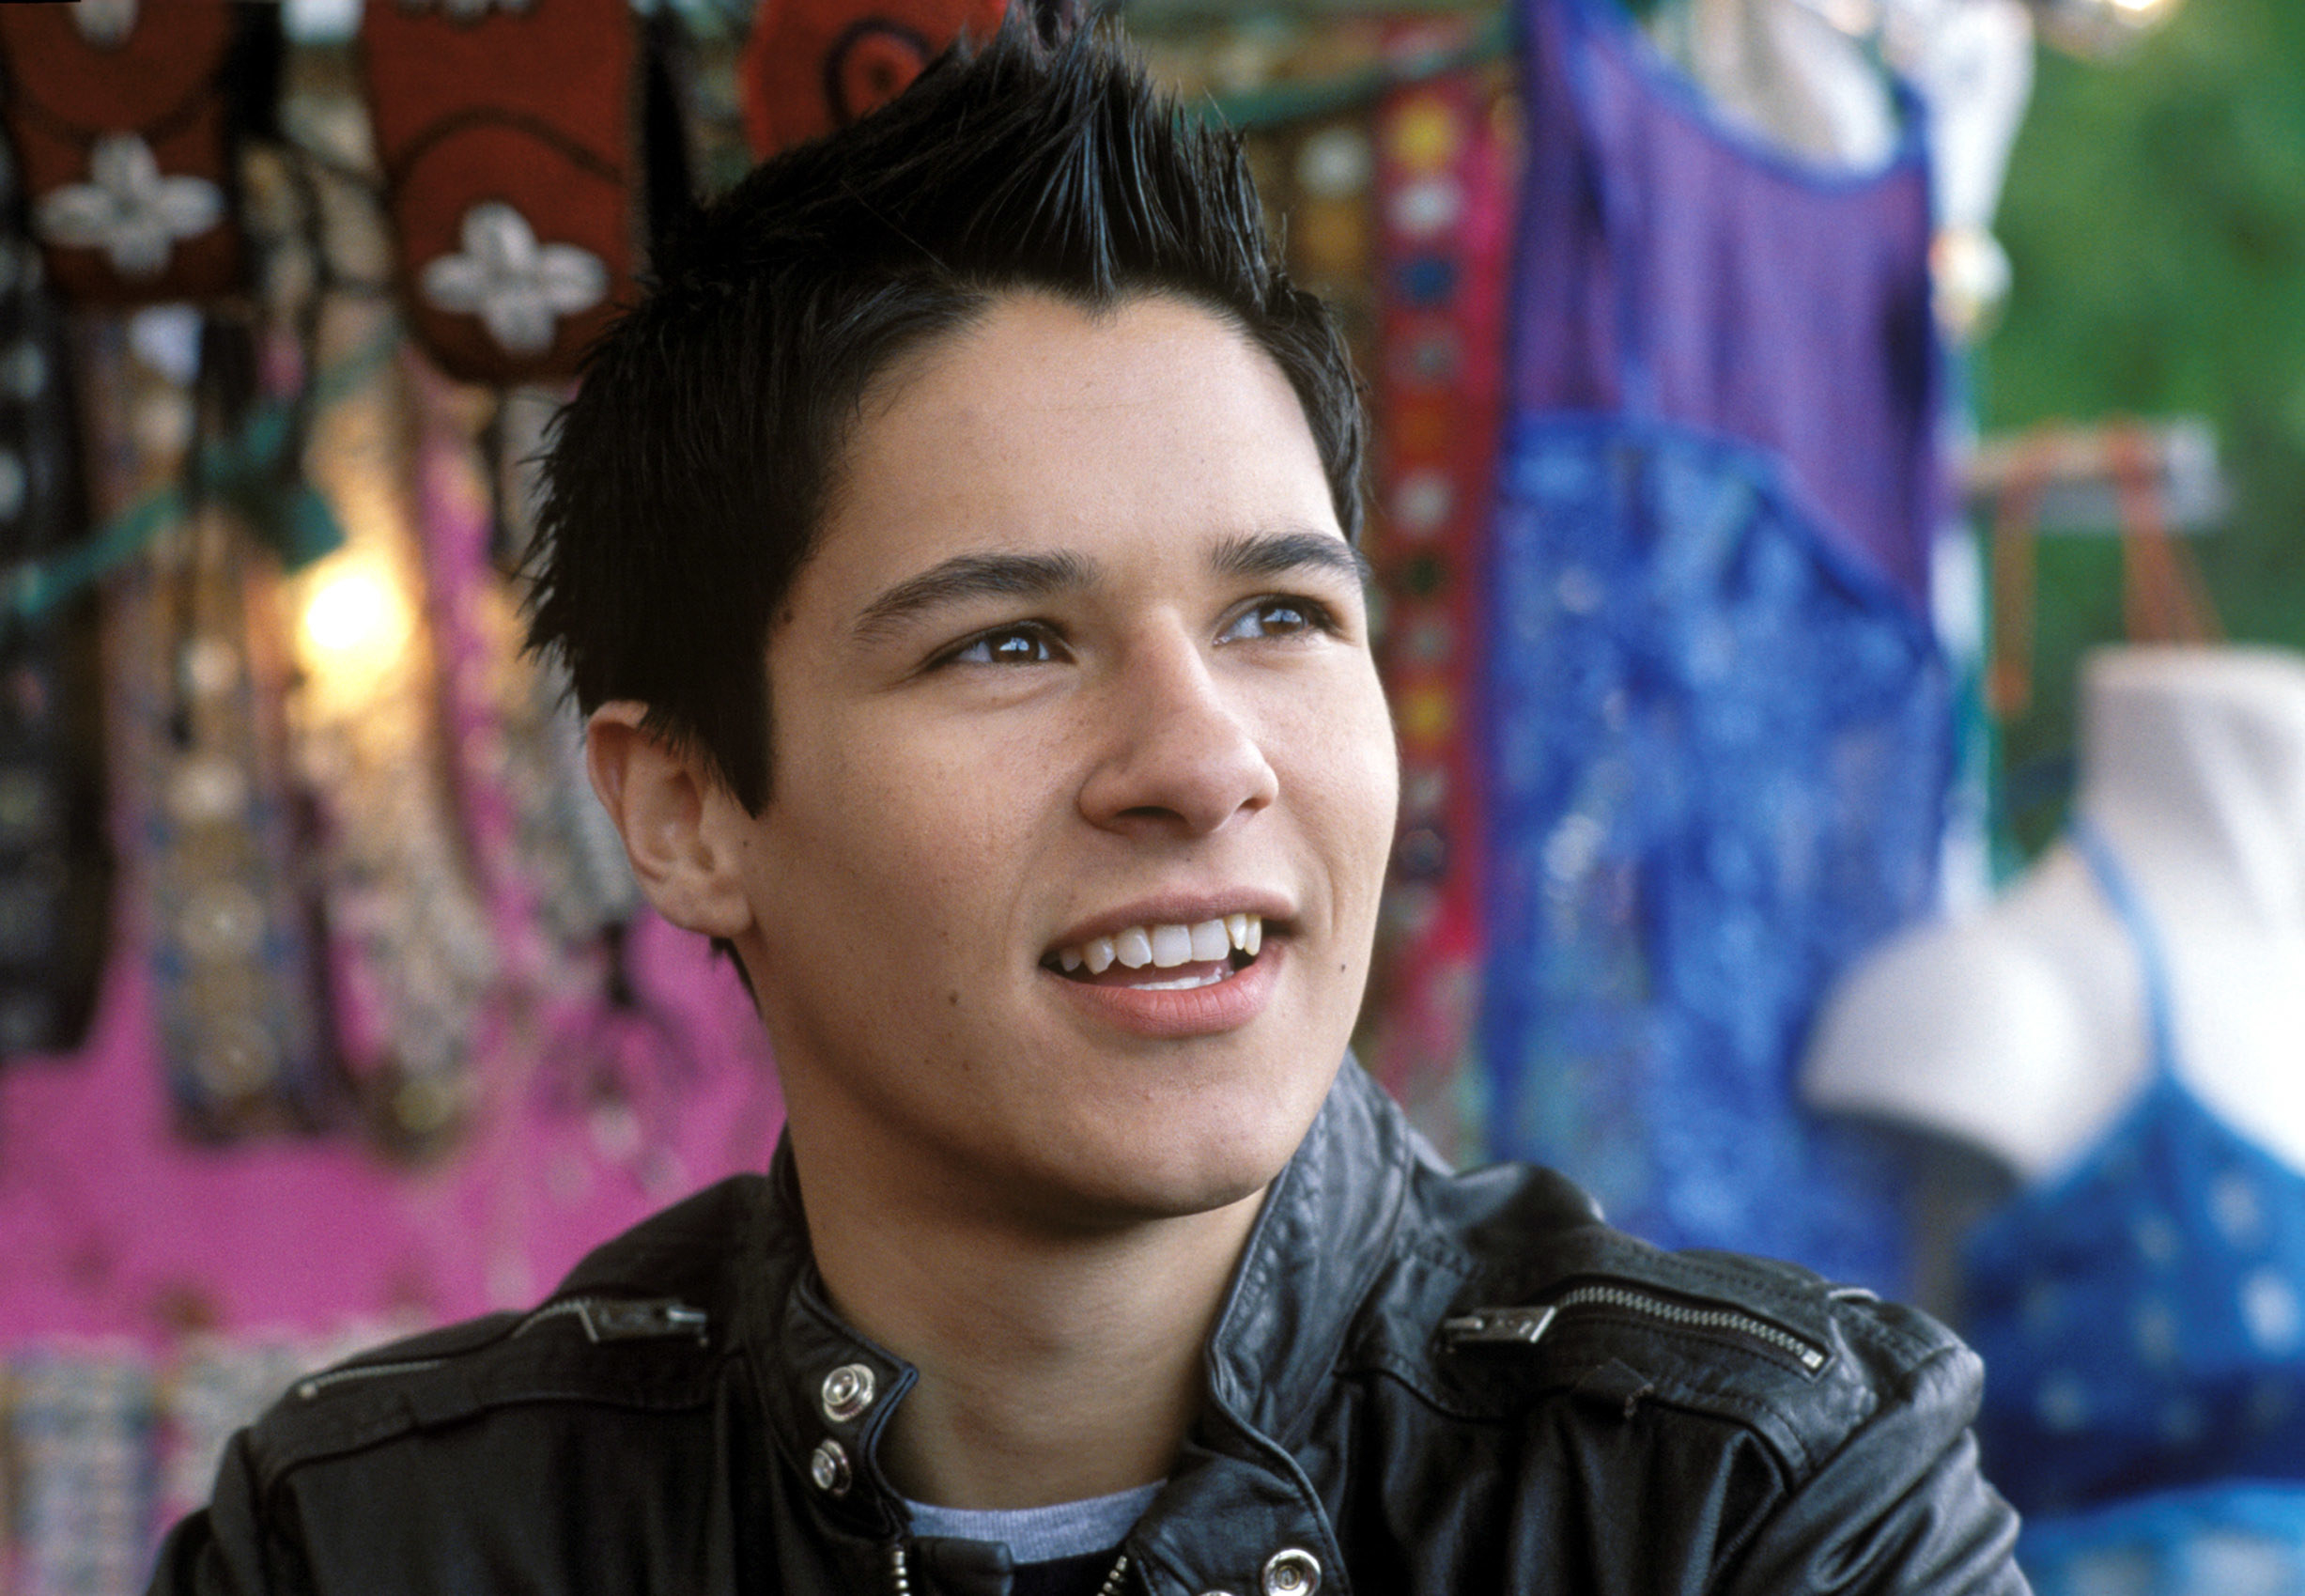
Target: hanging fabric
x=2142, y=1315
x=2166, y=1458
x=1718, y=726
x=568, y=1019
x=413, y=957
x=813, y=65
x=55, y=864
x=126, y=119
x=1679, y=268
x=195, y=675
x=510, y=140
x=80, y=1429
x=546, y=856
x=1443, y=172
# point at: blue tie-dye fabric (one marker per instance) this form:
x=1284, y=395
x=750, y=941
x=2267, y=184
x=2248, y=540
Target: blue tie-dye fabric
x=2142, y=1321
x=1718, y=750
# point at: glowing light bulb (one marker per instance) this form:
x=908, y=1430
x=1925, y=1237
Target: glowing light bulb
x=355, y=627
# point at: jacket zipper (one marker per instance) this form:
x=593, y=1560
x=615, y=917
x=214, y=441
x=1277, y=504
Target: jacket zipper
x=604, y=1319
x=623, y=1319
x=308, y=1388
x=1527, y=1325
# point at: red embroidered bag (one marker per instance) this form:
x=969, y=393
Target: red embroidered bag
x=813, y=65
x=122, y=117
x=510, y=144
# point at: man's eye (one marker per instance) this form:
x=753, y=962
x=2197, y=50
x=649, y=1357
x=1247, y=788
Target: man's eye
x=1278, y=617
x=1010, y=646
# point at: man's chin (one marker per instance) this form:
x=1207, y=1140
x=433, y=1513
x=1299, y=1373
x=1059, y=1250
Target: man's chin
x=1120, y=1195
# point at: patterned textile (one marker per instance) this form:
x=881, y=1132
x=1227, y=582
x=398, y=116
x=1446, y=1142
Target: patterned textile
x=105, y=1443
x=82, y=1428
x=1718, y=726
x=1445, y=183
x=2144, y=1314
x=1718, y=744
x=510, y=142
x=1674, y=269
x=55, y=867
x=123, y=117
x=2242, y=1540
x=193, y=684
x=411, y=954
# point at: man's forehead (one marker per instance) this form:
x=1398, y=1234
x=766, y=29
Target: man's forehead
x=1058, y=357
x=1045, y=446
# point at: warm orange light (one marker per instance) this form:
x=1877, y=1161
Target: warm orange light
x=356, y=625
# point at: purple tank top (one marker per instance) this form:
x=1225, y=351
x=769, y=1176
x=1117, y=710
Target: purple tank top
x=1782, y=305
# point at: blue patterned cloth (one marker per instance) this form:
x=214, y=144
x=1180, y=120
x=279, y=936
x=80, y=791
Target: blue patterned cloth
x=2143, y=1317
x=2239, y=1540
x=1718, y=732
x=1718, y=746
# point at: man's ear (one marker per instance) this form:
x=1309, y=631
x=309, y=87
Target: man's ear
x=678, y=822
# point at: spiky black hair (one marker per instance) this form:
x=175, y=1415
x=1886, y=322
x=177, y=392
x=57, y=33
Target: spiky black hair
x=684, y=484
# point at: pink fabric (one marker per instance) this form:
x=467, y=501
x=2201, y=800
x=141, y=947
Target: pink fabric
x=111, y=1225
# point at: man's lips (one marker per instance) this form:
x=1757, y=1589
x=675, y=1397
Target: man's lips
x=1195, y=999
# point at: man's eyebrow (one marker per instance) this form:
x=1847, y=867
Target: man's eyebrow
x=967, y=576
x=1277, y=553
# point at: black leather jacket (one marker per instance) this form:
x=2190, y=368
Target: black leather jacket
x=1422, y=1382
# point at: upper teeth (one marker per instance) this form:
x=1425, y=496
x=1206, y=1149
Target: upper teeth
x=1163, y=946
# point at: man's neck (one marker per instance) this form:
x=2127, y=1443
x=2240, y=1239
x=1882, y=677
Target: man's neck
x=1054, y=1365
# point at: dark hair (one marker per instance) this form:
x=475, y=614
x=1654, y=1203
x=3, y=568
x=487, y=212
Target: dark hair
x=685, y=483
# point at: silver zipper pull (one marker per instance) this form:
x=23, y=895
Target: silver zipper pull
x=1492, y=1325
x=607, y=1318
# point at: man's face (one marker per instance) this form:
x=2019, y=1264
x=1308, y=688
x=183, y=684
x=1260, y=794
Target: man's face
x=1081, y=659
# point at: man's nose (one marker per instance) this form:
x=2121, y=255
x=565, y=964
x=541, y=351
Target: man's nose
x=1178, y=755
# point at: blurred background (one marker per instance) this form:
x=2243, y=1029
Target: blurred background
x=1776, y=403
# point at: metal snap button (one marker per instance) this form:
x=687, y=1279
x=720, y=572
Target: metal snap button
x=829, y=1467
x=1291, y=1571
x=848, y=1391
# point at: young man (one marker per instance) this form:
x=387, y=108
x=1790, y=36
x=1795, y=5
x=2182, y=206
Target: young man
x=955, y=555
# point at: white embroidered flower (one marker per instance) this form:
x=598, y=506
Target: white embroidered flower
x=126, y=209
x=517, y=286
x=104, y=23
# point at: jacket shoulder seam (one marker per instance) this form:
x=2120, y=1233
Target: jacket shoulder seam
x=381, y=1423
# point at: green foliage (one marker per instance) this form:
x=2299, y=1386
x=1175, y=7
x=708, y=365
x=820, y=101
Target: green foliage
x=2155, y=217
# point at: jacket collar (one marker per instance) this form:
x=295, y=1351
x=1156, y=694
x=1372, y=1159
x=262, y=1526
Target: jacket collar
x=1326, y=1231
x=1323, y=1237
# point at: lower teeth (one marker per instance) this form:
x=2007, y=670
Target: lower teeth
x=1187, y=984
x=1232, y=965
